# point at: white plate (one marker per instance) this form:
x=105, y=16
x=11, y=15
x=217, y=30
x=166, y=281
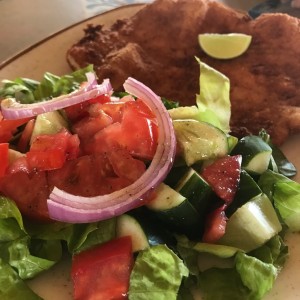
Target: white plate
x=49, y=55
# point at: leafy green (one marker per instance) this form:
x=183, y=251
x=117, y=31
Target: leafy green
x=255, y=274
x=285, y=167
x=157, y=274
x=285, y=194
x=222, y=284
x=26, y=250
x=12, y=287
x=287, y=201
x=77, y=236
x=29, y=91
x=169, y=104
x=267, y=182
x=213, y=100
x=249, y=276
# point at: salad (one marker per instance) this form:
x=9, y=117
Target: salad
x=140, y=192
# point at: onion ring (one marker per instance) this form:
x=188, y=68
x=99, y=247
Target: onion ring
x=11, y=109
x=66, y=207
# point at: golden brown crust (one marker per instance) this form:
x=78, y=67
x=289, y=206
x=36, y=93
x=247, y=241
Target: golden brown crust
x=158, y=45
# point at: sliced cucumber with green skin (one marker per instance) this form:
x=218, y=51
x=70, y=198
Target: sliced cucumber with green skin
x=128, y=226
x=193, y=187
x=252, y=225
x=176, y=212
x=153, y=228
x=48, y=123
x=175, y=175
x=256, y=154
x=199, y=141
x=247, y=190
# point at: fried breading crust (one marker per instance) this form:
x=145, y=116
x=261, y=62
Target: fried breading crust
x=158, y=47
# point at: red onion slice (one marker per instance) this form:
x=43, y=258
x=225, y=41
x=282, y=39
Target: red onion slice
x=11, y=109
x=76, y=209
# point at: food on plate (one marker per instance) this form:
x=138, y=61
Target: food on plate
x=136, y=189
x=158, y=45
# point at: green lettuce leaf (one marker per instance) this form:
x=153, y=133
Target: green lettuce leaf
x=77, y=236
x=255, y=274
x=287, y=201
x=157, y=274
x=214, y=98
x=222, y=284
x=268, y=180
x=227, y=273
x=12, y=287
x=285, y=194
x=29, y=91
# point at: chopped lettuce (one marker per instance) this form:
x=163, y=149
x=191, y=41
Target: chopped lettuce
x=157, y=274
x=287, y=201
x=214, y=98
x=284, y=166
x=26, y=250
x=285, y=194
x=249, y=277
x=12, y=287
x=29, y=91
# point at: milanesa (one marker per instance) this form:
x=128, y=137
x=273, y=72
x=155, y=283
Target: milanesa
x=158, y=46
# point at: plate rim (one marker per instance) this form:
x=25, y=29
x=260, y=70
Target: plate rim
x=27, y=49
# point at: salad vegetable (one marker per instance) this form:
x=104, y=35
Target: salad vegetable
x=148, y=199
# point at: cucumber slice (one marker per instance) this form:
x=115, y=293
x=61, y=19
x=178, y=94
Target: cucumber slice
x=128, y=225
x=193, y=187
x=199, y=141
x=252, y=225
x=153, y=228
x=176, y=212
x=256, y=154
x=175, y=175
x=48, y=123
x=248, y=189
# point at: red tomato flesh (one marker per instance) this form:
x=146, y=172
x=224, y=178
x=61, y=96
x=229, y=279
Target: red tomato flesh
x=215, y=225
x=224, y=176
x=50, y=151
x=3, y=158
x=9, y=127
x=107, y=152
x=103, y=272
x=137, y=132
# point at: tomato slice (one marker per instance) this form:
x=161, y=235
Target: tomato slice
x=137, y=132
x=124, y=165
x=103, y=272
x=215, y=225
x=9, y=127
x=48, y=152
x=79, y=111
x=3, y=158
x=29, y=191
x=85, y=176
x=224, y=176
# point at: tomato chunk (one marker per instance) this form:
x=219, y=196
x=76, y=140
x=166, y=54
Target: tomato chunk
x=29, y=191
x=48, y=152
x=9, y=127
x=137, y=132
x=224, y=176
x=103, y=272
x=3, y=158
x=215, y=225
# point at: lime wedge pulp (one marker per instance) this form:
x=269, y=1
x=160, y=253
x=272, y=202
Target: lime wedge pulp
x=224, y=46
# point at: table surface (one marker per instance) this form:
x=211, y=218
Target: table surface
x=26, y=22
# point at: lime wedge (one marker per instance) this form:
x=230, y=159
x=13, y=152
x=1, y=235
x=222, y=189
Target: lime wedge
x=224, y=46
